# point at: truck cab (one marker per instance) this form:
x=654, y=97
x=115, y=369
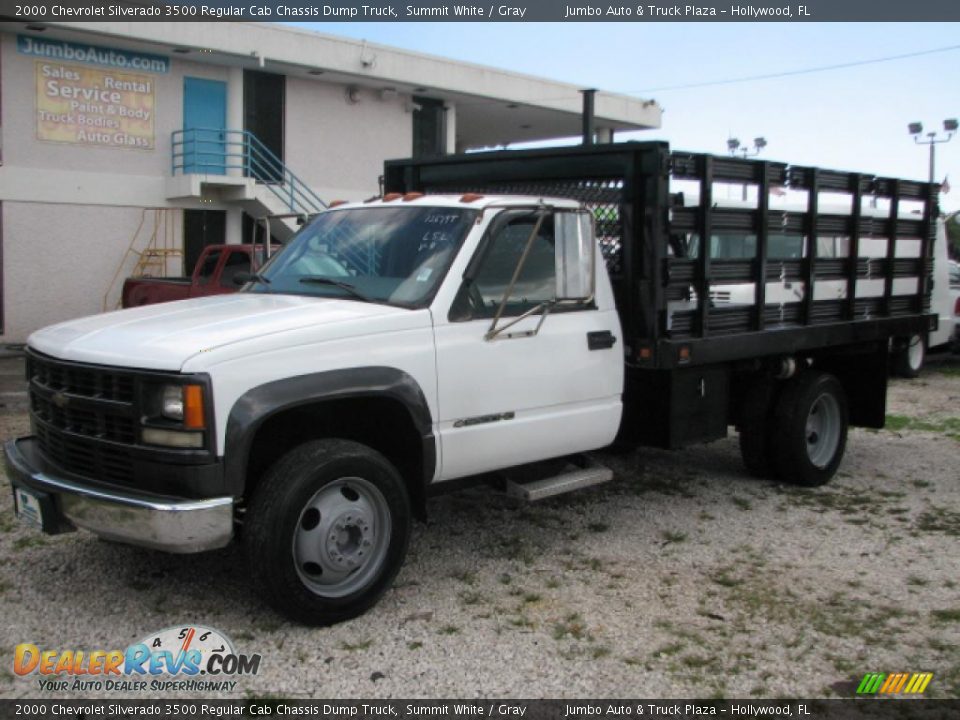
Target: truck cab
x=398, y=344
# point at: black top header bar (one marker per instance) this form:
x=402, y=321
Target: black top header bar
x=485, y=11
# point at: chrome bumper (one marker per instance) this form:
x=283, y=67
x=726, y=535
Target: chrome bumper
x=170, y=524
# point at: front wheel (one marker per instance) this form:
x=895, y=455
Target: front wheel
x=327, y=531
x=810, y=429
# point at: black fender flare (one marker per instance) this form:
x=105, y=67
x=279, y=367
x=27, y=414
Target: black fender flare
x=260, y=403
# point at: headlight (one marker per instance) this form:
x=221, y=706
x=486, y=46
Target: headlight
x=174, y=416
x=172, y=404
x=184, y=404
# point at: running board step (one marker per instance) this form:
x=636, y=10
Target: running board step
x=592, y=473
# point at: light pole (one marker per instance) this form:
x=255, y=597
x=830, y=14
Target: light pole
x=734, y=147
x=933, y=139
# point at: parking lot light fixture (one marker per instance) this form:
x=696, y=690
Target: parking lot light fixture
x=933, y=138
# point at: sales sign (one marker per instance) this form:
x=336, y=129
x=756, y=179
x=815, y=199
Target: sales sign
x=89, y=106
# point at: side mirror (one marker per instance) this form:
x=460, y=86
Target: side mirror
x=575, y=255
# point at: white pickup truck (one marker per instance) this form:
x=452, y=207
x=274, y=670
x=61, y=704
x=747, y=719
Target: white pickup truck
x=397, y=345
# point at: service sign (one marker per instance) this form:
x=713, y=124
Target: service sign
x=90, y=106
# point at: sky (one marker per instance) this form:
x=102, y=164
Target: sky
x=853, y=118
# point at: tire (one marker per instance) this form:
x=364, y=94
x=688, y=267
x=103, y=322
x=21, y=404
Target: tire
x=909, y=357
x=809, y=432
x=756, y=412
x=327, y=531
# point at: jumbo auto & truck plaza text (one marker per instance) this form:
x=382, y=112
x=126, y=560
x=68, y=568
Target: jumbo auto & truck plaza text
x=740, y=12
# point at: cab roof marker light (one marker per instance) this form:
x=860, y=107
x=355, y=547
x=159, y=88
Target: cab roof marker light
x=470, y=197
x=412, y=196
x=336, y=203
x=390, y=197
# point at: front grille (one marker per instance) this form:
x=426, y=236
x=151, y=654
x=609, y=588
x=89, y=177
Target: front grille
x=81, y=380
x=81, y=456
x=100, y=423
x=84, y=417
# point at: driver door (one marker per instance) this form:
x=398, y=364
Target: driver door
x=536, y=390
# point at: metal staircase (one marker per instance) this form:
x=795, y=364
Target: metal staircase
x=241, y=168
x=153, y=260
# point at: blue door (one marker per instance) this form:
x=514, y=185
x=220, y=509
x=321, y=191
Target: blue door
x=204, y=124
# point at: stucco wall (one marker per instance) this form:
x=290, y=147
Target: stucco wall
x=59, y=260
x=21, y=146
x=339, y=146
x=70, y=211
x=336, y=146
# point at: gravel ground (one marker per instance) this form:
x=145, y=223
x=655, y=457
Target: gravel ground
x=681, y=578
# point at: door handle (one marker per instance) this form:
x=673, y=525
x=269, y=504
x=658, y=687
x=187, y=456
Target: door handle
x=600, y=340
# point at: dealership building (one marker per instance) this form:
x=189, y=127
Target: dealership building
x=128, y=147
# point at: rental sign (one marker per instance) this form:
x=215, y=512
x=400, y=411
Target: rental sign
x=89, y=106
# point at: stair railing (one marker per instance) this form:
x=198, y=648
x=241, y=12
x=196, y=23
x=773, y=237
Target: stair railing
x=216, y=151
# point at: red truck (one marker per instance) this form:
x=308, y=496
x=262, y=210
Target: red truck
x=214, y=274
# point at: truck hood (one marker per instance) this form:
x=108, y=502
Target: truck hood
x=167, y=335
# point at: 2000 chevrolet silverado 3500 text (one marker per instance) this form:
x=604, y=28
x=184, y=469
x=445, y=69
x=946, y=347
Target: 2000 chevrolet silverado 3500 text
x=491, y=311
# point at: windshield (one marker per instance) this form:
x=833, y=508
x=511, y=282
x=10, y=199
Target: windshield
x=394, y=255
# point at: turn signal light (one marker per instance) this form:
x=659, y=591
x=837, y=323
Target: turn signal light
x=193, y=416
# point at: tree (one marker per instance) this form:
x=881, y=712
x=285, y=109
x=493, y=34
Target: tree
x=953, y=234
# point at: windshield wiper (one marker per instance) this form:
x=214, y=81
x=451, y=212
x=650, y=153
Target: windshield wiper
x=347, y=287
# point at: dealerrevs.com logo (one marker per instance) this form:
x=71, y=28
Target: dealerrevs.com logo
x=191, y=658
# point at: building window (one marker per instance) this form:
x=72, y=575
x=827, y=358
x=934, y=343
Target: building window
x=429, y=127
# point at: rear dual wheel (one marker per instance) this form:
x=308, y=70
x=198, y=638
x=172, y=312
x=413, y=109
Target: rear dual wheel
x=799, y=434
x=755, y=424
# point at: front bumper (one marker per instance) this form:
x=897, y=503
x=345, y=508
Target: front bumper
x=154, y=521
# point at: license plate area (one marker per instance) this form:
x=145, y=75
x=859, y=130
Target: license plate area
x=37, y=509
x=28, y=507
